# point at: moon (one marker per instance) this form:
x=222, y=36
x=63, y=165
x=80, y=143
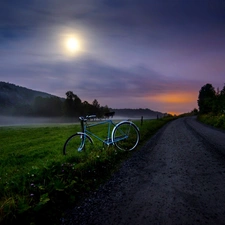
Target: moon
x=72, y=44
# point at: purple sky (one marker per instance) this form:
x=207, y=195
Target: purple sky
x=153, y=54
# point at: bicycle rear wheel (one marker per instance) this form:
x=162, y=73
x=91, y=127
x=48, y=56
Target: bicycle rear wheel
x=126, y=136
x=76, y=142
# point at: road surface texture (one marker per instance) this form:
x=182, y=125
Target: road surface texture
x=178, y=177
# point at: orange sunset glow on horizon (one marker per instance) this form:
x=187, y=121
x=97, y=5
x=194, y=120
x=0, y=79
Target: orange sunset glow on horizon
x=175, y=98
x=174, y=102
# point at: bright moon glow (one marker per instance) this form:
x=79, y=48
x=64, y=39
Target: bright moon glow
x=72, y=44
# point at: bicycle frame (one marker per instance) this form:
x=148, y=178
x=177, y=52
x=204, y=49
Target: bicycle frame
x=87, y=132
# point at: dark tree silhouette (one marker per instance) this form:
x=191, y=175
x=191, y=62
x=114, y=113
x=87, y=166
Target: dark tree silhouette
x=222, y=100
x=72, y=105
x=206, y=98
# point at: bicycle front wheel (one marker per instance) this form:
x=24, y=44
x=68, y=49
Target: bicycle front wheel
x=76, y=142
x=126, y=136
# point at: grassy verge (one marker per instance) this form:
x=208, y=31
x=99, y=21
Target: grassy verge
x=217, y=121
x=37, y=182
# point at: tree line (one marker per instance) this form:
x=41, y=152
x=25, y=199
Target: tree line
x=211, y=100
x=72, y=106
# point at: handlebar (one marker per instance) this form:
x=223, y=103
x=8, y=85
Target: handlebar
x=82, y=118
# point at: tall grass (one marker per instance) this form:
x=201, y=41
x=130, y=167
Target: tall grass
x=213, y=120
x=38, y=181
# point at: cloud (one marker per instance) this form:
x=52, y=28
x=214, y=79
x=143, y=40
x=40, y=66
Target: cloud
x=133, y=52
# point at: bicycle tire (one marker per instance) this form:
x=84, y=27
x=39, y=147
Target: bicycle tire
x=76, y=142
x=126, y=136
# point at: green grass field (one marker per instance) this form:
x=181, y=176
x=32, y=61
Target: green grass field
x=38, y=181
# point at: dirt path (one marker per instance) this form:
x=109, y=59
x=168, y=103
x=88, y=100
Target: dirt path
x=177, y=178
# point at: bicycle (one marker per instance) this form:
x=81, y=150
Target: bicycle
x=125, y=135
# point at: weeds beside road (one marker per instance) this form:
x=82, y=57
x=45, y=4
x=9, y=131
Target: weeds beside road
x=217, y=121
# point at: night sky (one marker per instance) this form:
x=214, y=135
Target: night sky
x=154, y=54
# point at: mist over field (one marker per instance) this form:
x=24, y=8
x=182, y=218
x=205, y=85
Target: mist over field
x=16, y=120
x=21, y=121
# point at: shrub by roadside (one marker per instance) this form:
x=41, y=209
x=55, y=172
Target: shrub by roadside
x=217, y=121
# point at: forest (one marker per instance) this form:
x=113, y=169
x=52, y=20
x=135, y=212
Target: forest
x=211, y=100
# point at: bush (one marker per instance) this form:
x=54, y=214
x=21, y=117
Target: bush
x=213, y=120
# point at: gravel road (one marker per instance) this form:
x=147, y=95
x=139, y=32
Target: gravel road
x=178, y=177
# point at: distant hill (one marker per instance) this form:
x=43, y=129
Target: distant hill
x=11, y=94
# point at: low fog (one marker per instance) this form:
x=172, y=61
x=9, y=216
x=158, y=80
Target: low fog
x=23, y=121
x=17, y=121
